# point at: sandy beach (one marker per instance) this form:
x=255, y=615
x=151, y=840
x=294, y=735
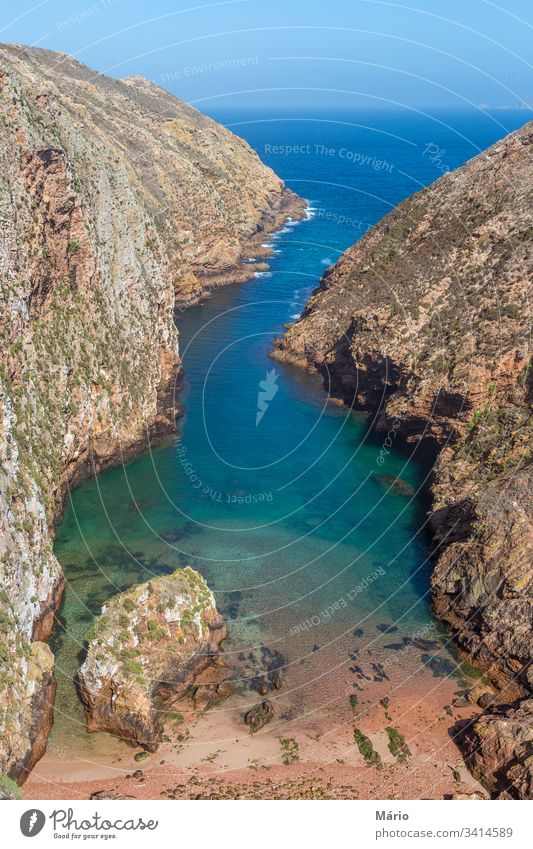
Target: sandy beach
x=212, y=754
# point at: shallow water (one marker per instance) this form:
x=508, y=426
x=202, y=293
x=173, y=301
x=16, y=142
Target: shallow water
x=306, y=551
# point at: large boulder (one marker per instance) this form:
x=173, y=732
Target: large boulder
x=498, y=748
x=152, y=641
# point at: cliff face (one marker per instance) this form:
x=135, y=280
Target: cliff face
x=153, y=640
x=116, y=202
x=426, y=322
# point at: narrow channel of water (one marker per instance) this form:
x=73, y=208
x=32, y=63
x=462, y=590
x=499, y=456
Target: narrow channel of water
x=279, y=507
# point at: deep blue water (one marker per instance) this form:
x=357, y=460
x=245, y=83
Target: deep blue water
x=284, y=517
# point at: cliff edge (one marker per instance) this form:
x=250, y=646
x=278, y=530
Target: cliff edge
x=425, y=323
x=117, y=202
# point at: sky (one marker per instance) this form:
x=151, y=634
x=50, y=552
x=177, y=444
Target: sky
x=375, y=54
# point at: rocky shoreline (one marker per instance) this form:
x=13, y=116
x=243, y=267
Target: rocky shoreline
x=106, y=223
x=424, y=324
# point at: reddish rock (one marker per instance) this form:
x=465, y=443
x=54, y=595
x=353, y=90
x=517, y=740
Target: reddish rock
x=424, y=322
x=151, y=642
x=498, y=748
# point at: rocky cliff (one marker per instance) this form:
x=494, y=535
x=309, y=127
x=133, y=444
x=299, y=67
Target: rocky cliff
x=153, y=640
x=425, y=323
x=117, y=201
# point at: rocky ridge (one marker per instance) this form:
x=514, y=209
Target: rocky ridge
x=117, y=202
x=425, y=324
x=151, y=641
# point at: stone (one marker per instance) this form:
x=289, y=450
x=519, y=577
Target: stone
x=479, y=692
x=259, y=715
x=172, y=636
x=109, y=794
x=475, y=795
x=498, y=749
x=276, y=679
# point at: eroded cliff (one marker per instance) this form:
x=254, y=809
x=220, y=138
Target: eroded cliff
x=117, y=201
x=425, y=323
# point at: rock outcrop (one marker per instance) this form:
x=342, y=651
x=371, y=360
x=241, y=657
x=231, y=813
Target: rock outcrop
x=117, y=201
x=498, y=748
x=151, y=641
x=425, y=324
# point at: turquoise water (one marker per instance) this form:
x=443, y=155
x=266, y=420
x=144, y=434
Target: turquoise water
x=285, y=518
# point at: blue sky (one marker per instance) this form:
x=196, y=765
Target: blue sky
x=290, y=53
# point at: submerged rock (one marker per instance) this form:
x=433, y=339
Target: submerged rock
x=153, y=640
x=397, y=485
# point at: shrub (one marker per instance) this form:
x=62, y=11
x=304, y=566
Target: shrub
x=366, y=748
x=9, y=789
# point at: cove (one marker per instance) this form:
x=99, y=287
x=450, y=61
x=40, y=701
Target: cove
x=271, y=492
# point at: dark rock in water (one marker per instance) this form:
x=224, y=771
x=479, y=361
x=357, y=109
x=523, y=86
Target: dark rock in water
x=441, y=667
x=109, y=794
x=385, y=628
x=397, y=485
x=234, y=603
x=379, y=669
x=259, y=715
x=262, y=687
x=275, y=679
x=426, y=645
x=171, y=536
